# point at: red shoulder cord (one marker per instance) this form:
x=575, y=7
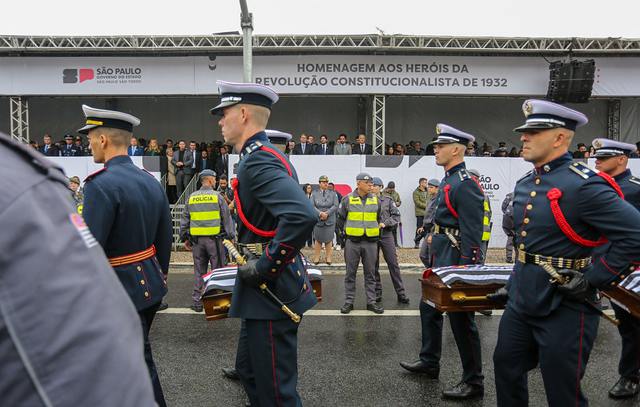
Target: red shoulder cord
x=555, y=194
x=447, y=188
x=238, y=204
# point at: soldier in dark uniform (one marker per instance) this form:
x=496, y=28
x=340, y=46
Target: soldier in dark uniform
x=68, y=334
x=456, y=240
x=562, y=210
x=389, y=220
x=275, y=221
x=128, y=213
x=612, y=158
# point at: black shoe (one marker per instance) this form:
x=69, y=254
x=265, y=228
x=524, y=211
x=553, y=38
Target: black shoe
x=486, y=312
x=196, y=308
x=375, y=308
x=403, y=299
x=463, y=391
x=379, y=298
x=625, y=388
x=421, y=368
x=346, y=308
x=230, y=373
x=163, y=306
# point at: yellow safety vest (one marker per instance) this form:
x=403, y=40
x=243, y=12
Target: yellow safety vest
x=486, y=221
x=362, y=218
x=204, y=213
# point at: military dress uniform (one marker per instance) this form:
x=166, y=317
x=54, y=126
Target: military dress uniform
x=128, y=213
x=206, y=220
x=456, y=240
x=560, y=209
x=390, y=216
x=68, y=334
x=629, y=328
x=361, y=218
x=275, y=221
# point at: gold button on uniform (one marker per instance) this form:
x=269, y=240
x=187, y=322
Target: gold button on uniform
x=523, y=233
x=537, y=181
x=533, y=193
x=141, y=282
x=273, y=270
x=283, y=252
x=146, y=294
x=529, y=207
x=139, y=268
x=521, y=247
x=526, y=220
x=278, y=262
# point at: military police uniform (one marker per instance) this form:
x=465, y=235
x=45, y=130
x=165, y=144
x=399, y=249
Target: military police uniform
x=390, y=216
x=275, y=221
x=128, y=213
x=206, y=220
x=456, y=240
x=361, y=218
x=561, y=211
x=629, y=328
x=61, y=306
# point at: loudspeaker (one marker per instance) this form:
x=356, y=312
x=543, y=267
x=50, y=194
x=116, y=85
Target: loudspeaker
x=571, y=82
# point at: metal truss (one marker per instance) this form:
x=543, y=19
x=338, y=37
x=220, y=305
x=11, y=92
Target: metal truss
x=19, y=112
x=613, y=119
x=21, y=45
x=378, y=124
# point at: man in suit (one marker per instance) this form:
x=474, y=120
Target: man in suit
x=342, y=147
x=361, y=147
x=204, y=162
x=222, y=164
x=49, y=149
x=311, y=140
x=303, y=148
x=323, y=148
x=134, y=149
x=183, y=163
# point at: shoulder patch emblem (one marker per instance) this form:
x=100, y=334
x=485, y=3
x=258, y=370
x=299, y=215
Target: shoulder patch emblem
x=582, y=170
x=83, y=230
x=93, y=174
x=464, y=174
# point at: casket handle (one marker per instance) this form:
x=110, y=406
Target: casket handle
x=459, y=296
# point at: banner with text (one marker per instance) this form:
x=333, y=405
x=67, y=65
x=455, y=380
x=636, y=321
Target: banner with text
x=303, y=74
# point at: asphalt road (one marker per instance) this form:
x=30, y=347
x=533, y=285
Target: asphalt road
x=344, y=360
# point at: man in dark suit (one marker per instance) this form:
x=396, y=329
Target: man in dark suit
x=304, y=148
x=134, y=149
x=183, y=162
x=222, y=163
x=361, y=147
x=323, y=148
x=204, y=162
x=49, y=149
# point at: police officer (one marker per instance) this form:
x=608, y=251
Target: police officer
x=275, y=221
x=507, y=226
x=561, y=210
x=427, y=224
x=128, y=213
x=360, y=214
x=389, y=220
x=72, y=354
x=612, y=158
x=486, y=219
x=206, y=220
x=456, y=240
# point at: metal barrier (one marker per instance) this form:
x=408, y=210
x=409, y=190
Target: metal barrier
x=178, y=208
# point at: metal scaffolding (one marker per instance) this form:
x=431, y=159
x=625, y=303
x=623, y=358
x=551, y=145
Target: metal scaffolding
x=378, y=124
x=19, y=112
x=613, y=119
x=30, y=45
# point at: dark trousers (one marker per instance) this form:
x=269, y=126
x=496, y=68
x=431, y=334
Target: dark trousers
x=388, y=248
x=146, y=318
x=419, y=222
x=182, y=180
x=629, y=328
x=171, y=194
x=206, y=251
x=560, y=342
x=267, y=362
x=465, y=333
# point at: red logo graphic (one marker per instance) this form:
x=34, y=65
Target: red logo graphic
x=72, y=75
x=86, y=74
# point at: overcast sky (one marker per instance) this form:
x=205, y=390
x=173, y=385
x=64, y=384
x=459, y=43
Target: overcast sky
x=540, y=18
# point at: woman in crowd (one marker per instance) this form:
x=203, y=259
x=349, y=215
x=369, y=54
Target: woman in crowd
x=308, y=190
x=326, y=203
x=171, y=178
x=153, y=149
x=290, y=146
x=389, y=150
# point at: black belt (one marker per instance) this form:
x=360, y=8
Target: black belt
x=557, y=262
x=437, y=229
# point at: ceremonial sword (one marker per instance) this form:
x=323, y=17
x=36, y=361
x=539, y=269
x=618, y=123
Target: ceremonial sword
x=558, y=278
x=240, y=260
